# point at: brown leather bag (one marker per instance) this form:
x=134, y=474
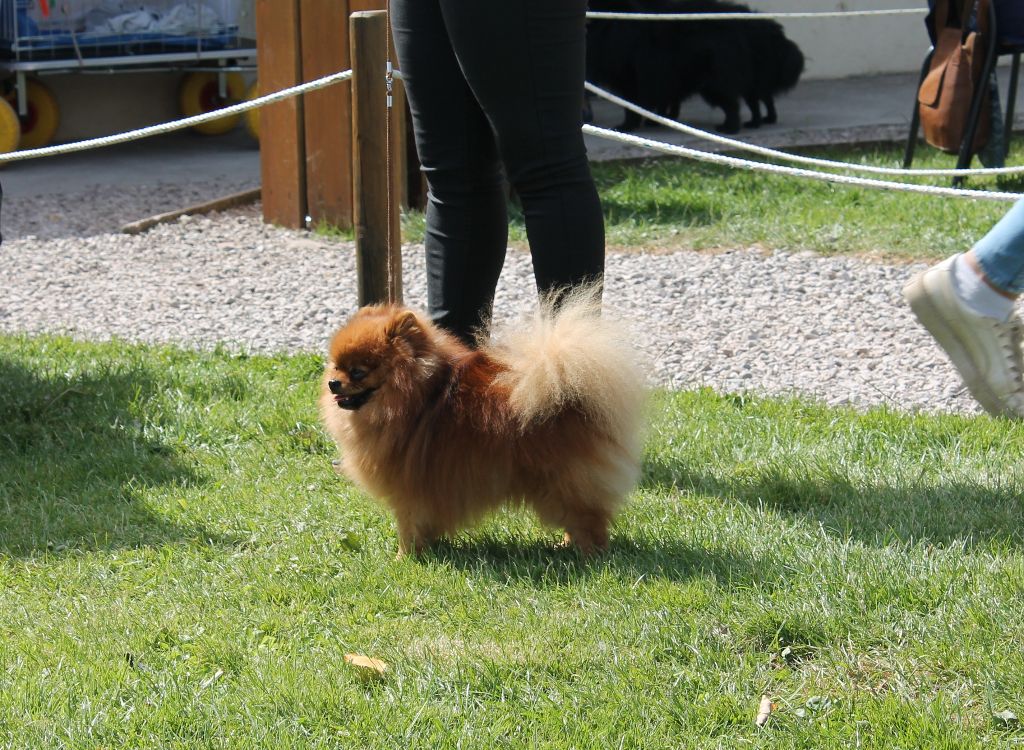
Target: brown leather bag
x=944, y=97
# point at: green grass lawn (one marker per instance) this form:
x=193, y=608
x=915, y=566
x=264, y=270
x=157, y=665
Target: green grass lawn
x=181, y=568
x=683, y=204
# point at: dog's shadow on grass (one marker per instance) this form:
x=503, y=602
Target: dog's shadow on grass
x=73, y=461
x=915, y=509
x=628, y=558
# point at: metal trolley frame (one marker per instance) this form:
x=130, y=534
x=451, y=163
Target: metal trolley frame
x=108, y=36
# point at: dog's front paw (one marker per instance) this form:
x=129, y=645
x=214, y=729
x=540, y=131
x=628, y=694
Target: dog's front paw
x=414, y=545
x=587, y=544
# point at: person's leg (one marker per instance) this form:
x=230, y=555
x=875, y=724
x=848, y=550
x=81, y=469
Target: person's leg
x=525, y=63
x=467, y=224
x=967, y=303
x=999, y=255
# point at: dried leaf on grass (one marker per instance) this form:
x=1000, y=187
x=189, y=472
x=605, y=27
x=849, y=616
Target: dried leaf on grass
x=764, y=710
x=367, y=667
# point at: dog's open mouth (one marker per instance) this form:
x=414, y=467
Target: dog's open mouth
x=353, y=401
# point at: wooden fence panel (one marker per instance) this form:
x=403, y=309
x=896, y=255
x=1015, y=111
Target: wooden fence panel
x=282, y=160
x=328, y=113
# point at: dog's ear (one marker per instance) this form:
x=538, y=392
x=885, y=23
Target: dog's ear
x=402, y=325
x=369, y=311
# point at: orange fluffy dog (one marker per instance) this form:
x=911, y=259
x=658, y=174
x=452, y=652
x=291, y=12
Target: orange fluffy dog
x=549, y=416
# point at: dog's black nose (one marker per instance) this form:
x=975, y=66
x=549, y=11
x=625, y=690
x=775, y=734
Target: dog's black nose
x=335, y=386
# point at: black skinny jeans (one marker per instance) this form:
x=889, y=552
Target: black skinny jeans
x=496, y=90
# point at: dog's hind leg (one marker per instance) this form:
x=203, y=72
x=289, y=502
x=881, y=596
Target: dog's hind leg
x=732, y=117
x=586, y=522
x=586, y=529
x=415, y=533
x=755, y=111
x=729, y=104
x=769, y=106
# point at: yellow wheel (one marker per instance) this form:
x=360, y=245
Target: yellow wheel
x=200, y=93
x=252, y=116
x=10, y=128
x=39, y=125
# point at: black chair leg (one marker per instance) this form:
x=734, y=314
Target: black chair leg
x=915, y=116
x=1011, y=101
x=981, y=89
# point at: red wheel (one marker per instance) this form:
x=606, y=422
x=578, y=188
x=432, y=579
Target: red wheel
x=42, y=116
x=200, y=93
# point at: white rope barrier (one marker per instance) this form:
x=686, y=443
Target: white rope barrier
x=633, y=140
x=605, y=15
x=167, y=127
x=839, y=179
x=782, y=155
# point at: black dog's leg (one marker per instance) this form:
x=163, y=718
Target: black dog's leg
x=732, y=117
x=755, y=111
x=731, y=106
x=630, y=121
x=769, y=105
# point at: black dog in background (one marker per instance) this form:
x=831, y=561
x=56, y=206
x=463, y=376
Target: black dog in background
x=659, y=64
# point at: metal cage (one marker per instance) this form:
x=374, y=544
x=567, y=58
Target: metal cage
x=75, y=33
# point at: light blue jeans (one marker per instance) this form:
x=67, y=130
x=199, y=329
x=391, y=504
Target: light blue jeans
x=1000, y=253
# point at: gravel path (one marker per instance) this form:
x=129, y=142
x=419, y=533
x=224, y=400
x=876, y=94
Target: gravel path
x=832, y=328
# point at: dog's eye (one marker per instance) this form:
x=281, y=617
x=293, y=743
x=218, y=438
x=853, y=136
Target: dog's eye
x=357, y=374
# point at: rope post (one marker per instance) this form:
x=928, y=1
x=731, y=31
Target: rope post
x=378, y=259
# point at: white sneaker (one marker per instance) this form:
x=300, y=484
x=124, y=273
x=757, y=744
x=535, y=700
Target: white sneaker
x=986, y=351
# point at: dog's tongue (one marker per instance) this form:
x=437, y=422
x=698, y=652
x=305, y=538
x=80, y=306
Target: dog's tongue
x=353, y=401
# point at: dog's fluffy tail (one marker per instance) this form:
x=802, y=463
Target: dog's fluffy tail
x=569, y=355
x=790, y=62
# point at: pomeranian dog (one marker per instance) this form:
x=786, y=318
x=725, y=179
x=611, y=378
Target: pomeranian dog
x=548, y=415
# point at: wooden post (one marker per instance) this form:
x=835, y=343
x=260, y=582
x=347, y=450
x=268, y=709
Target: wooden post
x=282, y=160
x=378, y=260
x=399, y=139
x=328, y=113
